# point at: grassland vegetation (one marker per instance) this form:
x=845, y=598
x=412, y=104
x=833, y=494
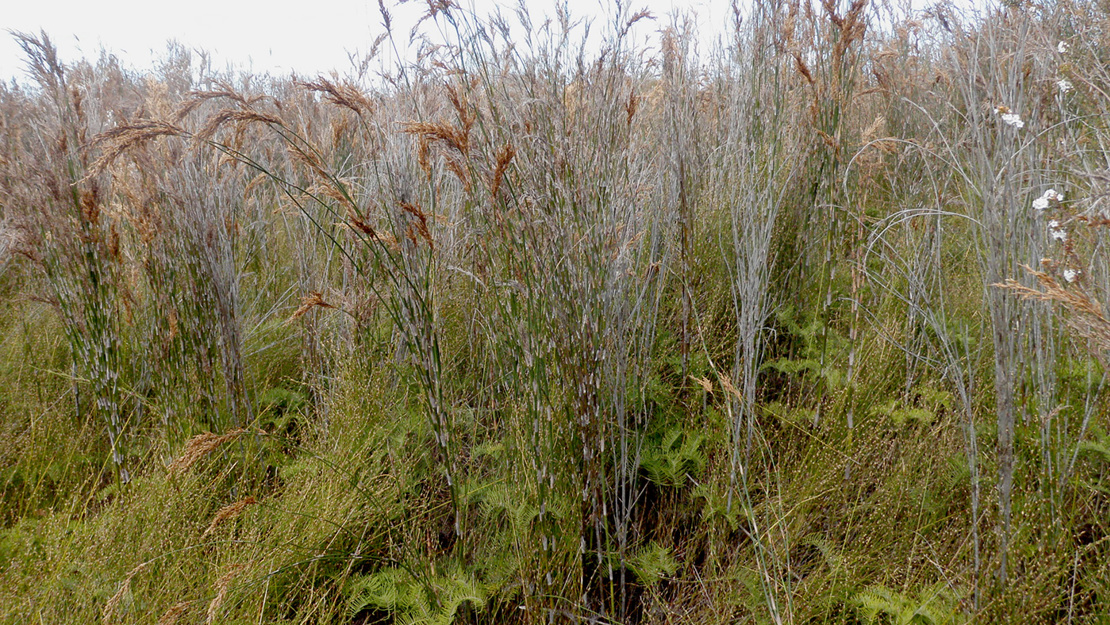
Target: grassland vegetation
x=802, y=327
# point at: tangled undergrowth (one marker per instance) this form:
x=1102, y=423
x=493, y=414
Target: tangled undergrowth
x=802, y=329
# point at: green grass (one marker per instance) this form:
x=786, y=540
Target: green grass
x=528, y=338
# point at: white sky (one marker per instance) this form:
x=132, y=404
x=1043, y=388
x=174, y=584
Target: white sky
x=309, y=36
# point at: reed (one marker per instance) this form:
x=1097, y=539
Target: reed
x=547, y=324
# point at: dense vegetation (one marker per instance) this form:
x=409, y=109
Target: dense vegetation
x=802, y=329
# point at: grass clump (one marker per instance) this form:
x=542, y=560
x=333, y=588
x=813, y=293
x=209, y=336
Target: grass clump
x=802, y=328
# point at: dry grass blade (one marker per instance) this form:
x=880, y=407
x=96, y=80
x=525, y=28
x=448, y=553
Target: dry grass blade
x=114, y=601
x=124, y=588
x=728, y=387
x=1085, y=315
x=421, y=222
x=384, y=238
x=328, y=188
x=229, y=513
x=503, y=159
x=312, y=300
x=122, y=139
x=345, y=95
x=197, y=98
x=222, y=585
x=170, y=616
x=200, y=446
x=454, y=138
x=704, y=383
x=241, y=118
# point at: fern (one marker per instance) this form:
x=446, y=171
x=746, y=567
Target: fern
x=397, y=592
x=501, y=499
x=716, y=504
x=796, y=416
x=829, y=551
x=1096, y=449
x=933, y=606
x=653, y=563
x=923, y=406
x=818, y=343
x=388, y=589
x=677, y=455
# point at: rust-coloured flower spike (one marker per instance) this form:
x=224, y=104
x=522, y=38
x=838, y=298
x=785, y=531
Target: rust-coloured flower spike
x=503, y=159
x=346, y=95
x=200, y=446
x=313, y=300
x=229, y=513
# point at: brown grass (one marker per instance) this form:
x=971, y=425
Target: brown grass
x=222, y=586
x=1085, y=315
x=110, y=607
x=314, y=299
x=170, y=616
x=200, y=446
x=122, y=139
x=229, y=513
x=341, y=94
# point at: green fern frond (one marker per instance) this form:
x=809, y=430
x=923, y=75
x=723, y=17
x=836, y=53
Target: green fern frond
x=408, y=600
x=677, y=455
x=933, y=606
x=388, y=589
x=936, y=605
x=1096, y=449
x=504, y=499
x=716, y=505
x=653, y=563
x=876, y=600
x=830, y=553
x=792, y=366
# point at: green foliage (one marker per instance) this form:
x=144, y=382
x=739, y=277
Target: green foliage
x=830, y=552
x=813, y=349
x=501, y=500
x=279, y=408
x=932, y=606
x=797, y=415
x=434, y=600
x=1096, y=450
x=716, y=506
x=461, y=402
x=674, y=458
x=922, y=407
x=652, y=563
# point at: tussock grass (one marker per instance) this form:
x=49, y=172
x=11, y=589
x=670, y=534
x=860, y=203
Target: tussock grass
x=789, y=330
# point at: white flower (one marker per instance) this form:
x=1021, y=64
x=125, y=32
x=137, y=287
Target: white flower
x=1013, y=119
x=1062, y=47
x=1051, y=195
x=1071, y=274
x=1064, y=85
x=1057, y=231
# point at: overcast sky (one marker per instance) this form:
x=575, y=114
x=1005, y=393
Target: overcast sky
x=316, y=36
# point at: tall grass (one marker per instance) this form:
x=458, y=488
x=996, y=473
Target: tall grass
x=60, y=211
x=559, y=327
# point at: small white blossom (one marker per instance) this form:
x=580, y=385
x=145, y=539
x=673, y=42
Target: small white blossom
x=1057, y=231
x=1046, y=198
x=1064, y=85
x=1071, y=274
x=1013, y=119
x=1062, y=47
